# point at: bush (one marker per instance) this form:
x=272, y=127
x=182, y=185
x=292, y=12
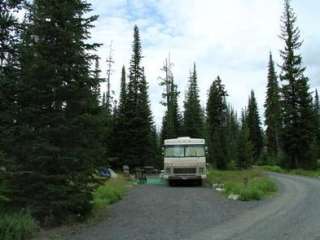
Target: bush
x=274, y=168
x=248, y=184
x=3, y=195
x=17, y=226
x=111, y=192
x=301, y=172
x=308, y=173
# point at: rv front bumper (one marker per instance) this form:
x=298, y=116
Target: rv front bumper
x=185, y=177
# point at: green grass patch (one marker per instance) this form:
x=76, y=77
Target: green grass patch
x=300, y=172
x=308, y=173
x=110, y=192
x=17, y=226
x=250, y=184
x=274, y=168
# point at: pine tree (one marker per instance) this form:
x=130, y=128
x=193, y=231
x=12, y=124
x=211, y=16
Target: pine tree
x=120, y=136
x=171, y=124
x=232, y=135
x=254, y=126
x=317, y=122
x=316, y=102
x=138, y=114
x=193, y=114
x=245, y=147
x=58, y=128
x=156, y=160
x=297, y=114
x=9, y=77
x=96, y=75
x=272, y=112
x=9, y=72
x=123, y=90
x=217, y=122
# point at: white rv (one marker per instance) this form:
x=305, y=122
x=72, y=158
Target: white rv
x=184, y=159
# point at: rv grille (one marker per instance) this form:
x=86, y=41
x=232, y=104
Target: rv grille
x=184, y=170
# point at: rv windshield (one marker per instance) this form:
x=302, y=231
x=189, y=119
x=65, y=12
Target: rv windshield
x=185, y=151
x=194, y=151
x=174, y=151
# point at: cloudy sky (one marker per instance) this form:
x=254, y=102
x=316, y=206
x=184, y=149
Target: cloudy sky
x=230, y=38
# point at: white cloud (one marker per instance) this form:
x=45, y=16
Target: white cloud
x=229, y=38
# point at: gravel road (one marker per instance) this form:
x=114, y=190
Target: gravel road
x=155, y=212
x=293, y=214
x=160, y=212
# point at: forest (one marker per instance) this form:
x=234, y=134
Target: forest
x=57, y=127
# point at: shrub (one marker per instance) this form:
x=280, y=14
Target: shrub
x=274, y=168
x=251, y=194
x=111, y=192
x=3, y=194
x=17, y=226
x=248, y=184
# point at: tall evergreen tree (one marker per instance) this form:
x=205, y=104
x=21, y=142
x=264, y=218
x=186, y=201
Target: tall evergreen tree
x=138, y=114
x=9, y=77
x=297, y=114
x=254, y=126
x=171, y=124
x=9, y=71
x=245, y=147
x=58, y=129
x=316, y=102
x=193, y=114
x=96, y=75
x=217, y=122
x=272, y=111
x=232, y=135
x=120, y=136
x=317, y=122
x=123, y=90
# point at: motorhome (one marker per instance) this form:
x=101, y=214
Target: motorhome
x=185, y=160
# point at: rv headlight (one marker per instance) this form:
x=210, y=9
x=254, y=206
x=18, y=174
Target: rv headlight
x=201, y=170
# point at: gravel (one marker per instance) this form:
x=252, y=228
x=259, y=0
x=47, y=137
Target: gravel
x=155, y=212
x=293, y=214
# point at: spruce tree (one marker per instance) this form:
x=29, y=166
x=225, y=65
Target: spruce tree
x=9, y=72
x=9, y=77
x=254, y=126
x=171, y=124
x=193, y=114
x=272, y=112
x=297, y=114
x=58, y=128
x=216, y=124
x=96, y=75
x=245, y=147
x=232, y=134
x=120, y=136
x=316, y=102
x=138, y=114
x=317, y=122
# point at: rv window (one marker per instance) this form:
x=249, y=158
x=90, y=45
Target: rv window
x=174, y=151
x=184, y=151
x=195, y=151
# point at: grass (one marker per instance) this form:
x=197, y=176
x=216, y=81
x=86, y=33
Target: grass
x=17, y=226
x=300, y=172
x=250, y=184
x=273, y=168
x=110, y=192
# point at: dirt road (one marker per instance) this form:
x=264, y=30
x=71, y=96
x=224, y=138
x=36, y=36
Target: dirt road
x=160, y=212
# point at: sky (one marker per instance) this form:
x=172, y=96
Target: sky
x=230, y=38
